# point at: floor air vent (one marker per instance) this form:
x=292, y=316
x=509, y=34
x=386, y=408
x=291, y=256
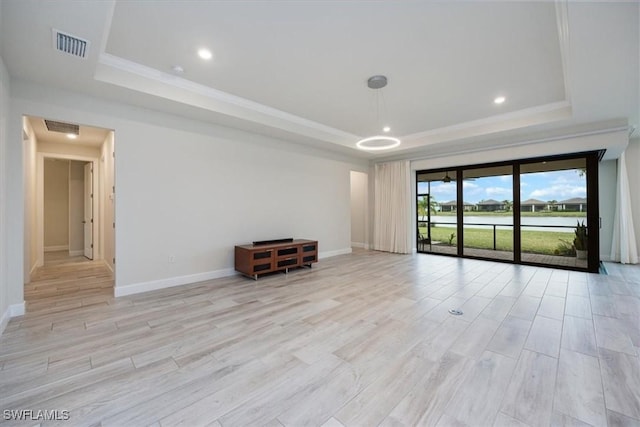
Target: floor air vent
x=62, y=127
x=72, y=45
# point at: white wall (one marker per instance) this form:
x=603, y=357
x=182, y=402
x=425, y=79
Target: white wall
x=193, y=190
x=107, y=197
x=30, y=217
x=359, y=202
x=5, y=297
x=56, y=204
x=607, y=202
x=76, y=207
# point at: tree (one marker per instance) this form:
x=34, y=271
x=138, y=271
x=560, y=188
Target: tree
x=433, y=204
x=422, y=206
x=425, y=202
x=508, y=204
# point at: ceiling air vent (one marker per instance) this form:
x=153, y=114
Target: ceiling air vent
x=62, y=127
x=72, y=45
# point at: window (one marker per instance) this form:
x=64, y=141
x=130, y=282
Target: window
x=541, y=211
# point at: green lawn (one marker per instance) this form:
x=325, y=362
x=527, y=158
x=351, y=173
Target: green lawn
x=539, y=242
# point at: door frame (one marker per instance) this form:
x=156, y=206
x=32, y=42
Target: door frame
x=40, y=201
x=90, y=176
x=592, y=159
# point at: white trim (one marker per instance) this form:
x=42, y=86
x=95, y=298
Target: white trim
x=357, y=245
x=154, y=285
x=329, y=254
x=56, y=248
x=491, y=120
x=17, y=309
x=512, y=145
x=222, y=99
x=4, y=320
x=606, y=258
x=76, y=253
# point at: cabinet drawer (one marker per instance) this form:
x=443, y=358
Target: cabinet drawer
x=309, y=258
x=309, y=248
x=287, y=262
x=287, y=251
x=261, y=267
x=262, y=255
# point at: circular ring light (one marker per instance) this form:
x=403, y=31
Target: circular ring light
x=378, y=142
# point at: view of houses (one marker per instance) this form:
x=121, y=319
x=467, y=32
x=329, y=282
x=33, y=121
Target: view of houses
x=574, y=204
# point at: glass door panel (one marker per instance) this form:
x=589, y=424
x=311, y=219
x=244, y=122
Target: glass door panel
x=553, y=207
x=488, y=212
x=436, y=212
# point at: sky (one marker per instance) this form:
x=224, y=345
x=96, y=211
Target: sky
x=545, y=186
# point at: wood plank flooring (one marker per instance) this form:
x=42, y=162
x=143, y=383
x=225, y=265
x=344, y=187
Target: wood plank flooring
x=359, y=340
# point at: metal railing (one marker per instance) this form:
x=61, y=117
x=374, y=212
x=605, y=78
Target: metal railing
x=494, y=226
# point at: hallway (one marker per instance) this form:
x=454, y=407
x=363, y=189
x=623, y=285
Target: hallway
x=66, y=282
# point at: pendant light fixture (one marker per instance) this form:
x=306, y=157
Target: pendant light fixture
x=378, y=142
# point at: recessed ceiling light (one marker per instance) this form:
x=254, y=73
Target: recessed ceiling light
x=205, y=54
x=499, y=100
x=386, y=129
x=72, y=136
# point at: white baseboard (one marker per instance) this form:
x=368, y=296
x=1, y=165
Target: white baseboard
x=360, y=245
x=329, y=254
x=76, y=253
x=4, y=320
x=155, y=285
x=605, y=258
x=17, y=309
x=13, y=310
x=56, y=248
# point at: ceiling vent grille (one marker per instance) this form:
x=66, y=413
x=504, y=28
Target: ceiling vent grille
x=72, y=45
x=62, y=127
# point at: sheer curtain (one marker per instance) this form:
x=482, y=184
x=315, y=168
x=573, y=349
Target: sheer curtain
x=623, y=247
x=392, y=207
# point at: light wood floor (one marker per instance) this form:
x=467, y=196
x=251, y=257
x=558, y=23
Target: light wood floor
x=359, y=340
x=67, y=282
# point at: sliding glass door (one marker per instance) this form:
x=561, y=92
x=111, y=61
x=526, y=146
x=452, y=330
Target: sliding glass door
x=437, y=207
x=541, y=211
x=488, y=217
x=553, y=205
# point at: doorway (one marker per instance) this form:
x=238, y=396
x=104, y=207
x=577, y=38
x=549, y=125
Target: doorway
x=69, y=213
x=359, y=202
x=68, y=207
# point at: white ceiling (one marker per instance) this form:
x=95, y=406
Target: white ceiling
x=298, y=70
x=88, y=136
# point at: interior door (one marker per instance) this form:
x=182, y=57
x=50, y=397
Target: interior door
x=88, y=210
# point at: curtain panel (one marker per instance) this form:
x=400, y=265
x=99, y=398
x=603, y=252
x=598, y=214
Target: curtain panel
x=623, y=246
x=391, y=231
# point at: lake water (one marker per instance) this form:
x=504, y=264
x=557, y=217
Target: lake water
x=549, y=223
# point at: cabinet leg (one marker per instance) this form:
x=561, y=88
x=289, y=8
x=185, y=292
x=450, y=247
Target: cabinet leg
x=255, y=277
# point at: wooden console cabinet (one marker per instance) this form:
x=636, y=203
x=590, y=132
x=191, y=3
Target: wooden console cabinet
x=255, y=259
